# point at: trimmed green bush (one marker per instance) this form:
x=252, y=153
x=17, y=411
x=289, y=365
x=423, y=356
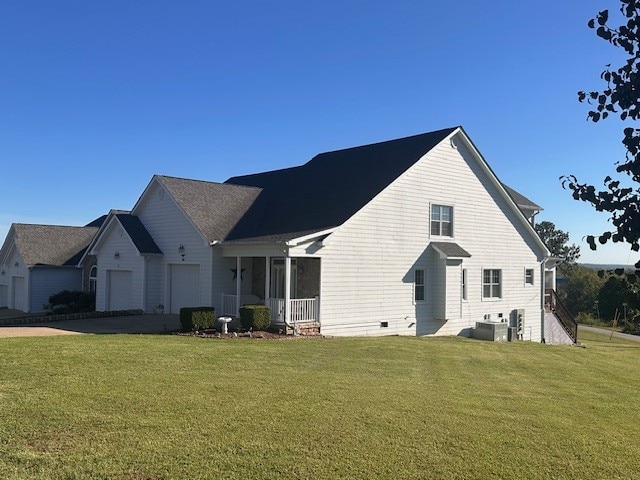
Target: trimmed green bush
x=255, y=317
x=197, y=318
x=71, y=302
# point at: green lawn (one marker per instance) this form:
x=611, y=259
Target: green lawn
x=171, y=407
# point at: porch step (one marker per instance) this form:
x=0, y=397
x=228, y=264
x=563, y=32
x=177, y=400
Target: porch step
x=306, y=329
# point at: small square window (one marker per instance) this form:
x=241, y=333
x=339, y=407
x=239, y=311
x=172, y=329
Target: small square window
x=528, y=276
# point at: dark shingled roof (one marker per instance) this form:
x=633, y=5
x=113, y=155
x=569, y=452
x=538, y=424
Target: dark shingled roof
x=521, y=200
x=450, y=249
x=327, y=190
x=215, y=208
x=138, y=233
x=51, y=244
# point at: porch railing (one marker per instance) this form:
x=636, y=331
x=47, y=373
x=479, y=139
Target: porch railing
x=303, y=310
x=562, y=314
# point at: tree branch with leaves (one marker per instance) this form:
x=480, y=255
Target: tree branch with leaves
x=622, y=97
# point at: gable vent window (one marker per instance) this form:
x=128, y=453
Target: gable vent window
x=442, y=220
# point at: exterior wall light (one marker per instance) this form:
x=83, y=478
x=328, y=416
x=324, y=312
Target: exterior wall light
x=181, y=251
x=116, y=256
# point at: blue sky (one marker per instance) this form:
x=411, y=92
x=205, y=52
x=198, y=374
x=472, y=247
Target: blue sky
x=96, y=97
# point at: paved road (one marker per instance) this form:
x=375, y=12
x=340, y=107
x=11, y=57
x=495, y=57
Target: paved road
x=131, y=324
x=606, y=331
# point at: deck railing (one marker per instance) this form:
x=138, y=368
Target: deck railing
x=562, y=314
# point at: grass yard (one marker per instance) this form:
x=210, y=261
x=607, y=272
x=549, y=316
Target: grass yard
x=170, y=407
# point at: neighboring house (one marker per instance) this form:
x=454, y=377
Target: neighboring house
x=412, y=236
x=37, y=261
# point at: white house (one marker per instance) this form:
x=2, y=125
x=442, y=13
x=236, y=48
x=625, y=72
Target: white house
x=37, y=261
x=412, y=236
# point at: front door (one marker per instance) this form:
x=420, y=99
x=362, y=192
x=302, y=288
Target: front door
x=278, y=278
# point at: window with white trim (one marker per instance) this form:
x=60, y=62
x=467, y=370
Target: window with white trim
x=491, y=283
x=93, y=279
x=464, y=284
x=442, y=220
x=418, y=285
x=528, y=276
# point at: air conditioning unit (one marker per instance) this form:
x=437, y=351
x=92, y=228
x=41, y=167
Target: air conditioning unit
x=495, y=332
x=520, y=322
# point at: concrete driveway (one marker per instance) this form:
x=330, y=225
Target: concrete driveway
x=130, y=324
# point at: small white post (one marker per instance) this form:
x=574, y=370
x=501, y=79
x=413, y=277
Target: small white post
x=238, y=284
x=287, y=290
x=267, y=280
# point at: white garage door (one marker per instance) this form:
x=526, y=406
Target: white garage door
x=119, y=289
x=18, y=293
x=185, y=287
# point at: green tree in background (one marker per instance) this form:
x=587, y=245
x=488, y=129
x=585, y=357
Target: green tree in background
x=579, y=289
x=556, y=241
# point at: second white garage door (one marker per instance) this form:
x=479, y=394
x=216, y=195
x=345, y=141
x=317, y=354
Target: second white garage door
x=185, y=287
x=119, y=289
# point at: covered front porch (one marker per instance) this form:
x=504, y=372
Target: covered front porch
x=289, y=286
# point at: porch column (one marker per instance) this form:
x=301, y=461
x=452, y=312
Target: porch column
x=287, y=289
x=238, y=284
x=267, y=280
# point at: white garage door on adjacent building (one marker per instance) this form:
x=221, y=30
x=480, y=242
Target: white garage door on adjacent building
x=17, y=300
x=120, y=293
x=185, y=287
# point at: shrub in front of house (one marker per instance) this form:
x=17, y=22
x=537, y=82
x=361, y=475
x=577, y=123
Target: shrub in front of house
x=71, y=302
x=255, y=317
x=197, y=318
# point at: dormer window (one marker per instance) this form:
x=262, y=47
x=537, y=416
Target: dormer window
x=442, y=220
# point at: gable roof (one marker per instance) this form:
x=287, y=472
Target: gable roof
x=138, y=234
x=520, y=200
x=52, y=245
x=327, y=190
x=213, y=208
x=450, y=250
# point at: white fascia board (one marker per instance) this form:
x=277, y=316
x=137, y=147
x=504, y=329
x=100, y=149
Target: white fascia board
x=97, y=240
x=295, y=242
x=494, y=179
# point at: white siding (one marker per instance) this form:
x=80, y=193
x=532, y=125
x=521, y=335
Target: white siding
x=14, y=268
x=154, y=284
x=116, y=240
x=223, y=281
x=368, y=263
x=170, y=228
x=46, y=281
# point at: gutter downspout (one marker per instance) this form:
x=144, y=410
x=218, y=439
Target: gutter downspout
x=543, y=287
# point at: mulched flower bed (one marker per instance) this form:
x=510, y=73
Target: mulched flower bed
x=212, y=333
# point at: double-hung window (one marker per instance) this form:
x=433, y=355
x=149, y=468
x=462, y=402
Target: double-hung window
x=418, y=285
x=442, y=220
x=491, y=283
